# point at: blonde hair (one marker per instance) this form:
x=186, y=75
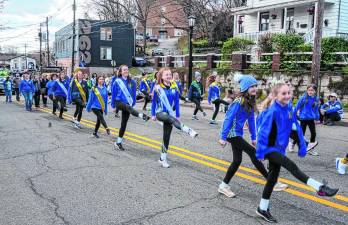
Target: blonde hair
x=160, y=73
x=265, y=104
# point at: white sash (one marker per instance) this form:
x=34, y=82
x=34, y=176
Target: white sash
x=164, y=99
x=125, y=91
x=63, y=87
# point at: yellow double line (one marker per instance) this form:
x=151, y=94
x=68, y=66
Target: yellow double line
x=212, y=162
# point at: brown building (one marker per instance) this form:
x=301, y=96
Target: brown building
x=166, y=19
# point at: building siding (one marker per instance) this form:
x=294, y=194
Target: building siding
x=343, y=19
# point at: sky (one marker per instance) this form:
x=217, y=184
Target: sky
x=21, y=20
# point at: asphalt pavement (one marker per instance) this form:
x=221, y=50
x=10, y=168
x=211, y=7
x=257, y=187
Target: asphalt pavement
x=52, y=173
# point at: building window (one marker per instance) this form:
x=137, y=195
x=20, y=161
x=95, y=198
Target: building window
x=290, y=19
x=241, y=24
x=105, y=53
x=264, y=21
x=106, y=33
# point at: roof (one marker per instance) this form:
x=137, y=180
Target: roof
x=19, y=56
x=251, y=9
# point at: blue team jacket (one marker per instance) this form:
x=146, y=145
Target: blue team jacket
x=6, y=87
x=74, y=93
x=49, y=87
x=93, y=101
x=153, y=83
x=235, y=119
x=332, y=107
x=117, y=94
x=214, y=92
x=144, y=87
x=172, y=94
x=57, y=90
x=26, y=86
x=279, y=119
x=308, y=107
x=180, y=87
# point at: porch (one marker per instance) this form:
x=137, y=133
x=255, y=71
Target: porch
x=291, y=17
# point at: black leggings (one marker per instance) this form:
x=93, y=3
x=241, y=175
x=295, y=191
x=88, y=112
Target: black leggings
x=276, y=161
x=198, y=105
x=79, y=109
x=61, y=100
x=332, y=116
x=100, y=119
x=37, y=98
x=54, y=101
x=311, y=125
x=126, y=111
x=147, y=99
x=168, y=122
x=238, y=146
x=217, y=103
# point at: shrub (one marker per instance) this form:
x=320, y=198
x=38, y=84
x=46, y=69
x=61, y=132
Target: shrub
x=201, y=43
x=286, y=42
x=330, y=45
x=235, y=44
x=265, y=43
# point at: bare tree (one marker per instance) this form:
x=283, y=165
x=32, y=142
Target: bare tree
x=134, y=11
x=213, y=17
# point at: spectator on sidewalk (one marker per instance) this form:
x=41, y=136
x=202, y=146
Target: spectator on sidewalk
x=332, y=110
x=43, y=89
x=16, y=82
x=36, y=83
x=27, y=89
x=8, y=89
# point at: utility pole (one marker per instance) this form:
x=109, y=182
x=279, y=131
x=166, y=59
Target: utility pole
x=40, y=38
x=26, y=59
x=319, y=14
x=73, y=40
x=48, y=44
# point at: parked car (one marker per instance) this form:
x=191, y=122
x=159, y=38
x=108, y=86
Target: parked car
x=153, y=38
x=139, y=61
x=157, y=52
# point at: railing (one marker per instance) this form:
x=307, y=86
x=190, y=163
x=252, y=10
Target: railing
x=327, y=32
x=254, y=36
x=241, y=60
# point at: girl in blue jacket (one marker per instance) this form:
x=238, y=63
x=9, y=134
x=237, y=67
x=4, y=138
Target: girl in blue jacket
x=166, y=97
x=123, y=97
x=49, y=86
x=214, y=96
x=8, y=89
x=274, y=127
x=78, y=94
x=60, y=93
x=145, y=89
x=332, y=110
x=307, y=111
x=98, y=103
x=176, y=78
x=242, y=109
x=27, y=89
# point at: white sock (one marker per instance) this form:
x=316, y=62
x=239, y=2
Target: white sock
x=77, y=122
x=119, y=140
x=141, y=115
x=185, y=128
x=264, y=203
x=223, y=185
x=163, y=156
x=314, y=184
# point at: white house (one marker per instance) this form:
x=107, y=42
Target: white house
x=257, y=17
x=21, y=63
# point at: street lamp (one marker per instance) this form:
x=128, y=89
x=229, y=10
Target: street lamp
x=191, y=22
